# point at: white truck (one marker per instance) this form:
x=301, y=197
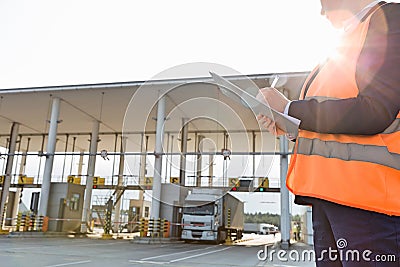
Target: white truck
x=205, y=216
x=260, y=228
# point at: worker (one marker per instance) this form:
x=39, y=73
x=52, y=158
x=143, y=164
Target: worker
x=295, y=230
x=346, y=160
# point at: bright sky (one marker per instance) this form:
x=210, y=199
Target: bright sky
x=59, y=42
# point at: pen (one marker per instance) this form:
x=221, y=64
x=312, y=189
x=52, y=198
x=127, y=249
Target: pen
x=275, y=81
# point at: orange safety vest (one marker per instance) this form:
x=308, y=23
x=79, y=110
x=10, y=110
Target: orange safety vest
x=359, y=171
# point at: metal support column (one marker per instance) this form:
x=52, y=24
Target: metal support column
x=182, y=175
x=184, y=140
x=143, y=162
x=113, y=165
x=225, y=164
x=90, y=173
x=166, y=160
x=120, y=183
x=285, y=215
x=142, y=167
x=309, y=235
x=72, y=154
x=255, y=182
x=182, y=168
x=17, y=197
x=3, y=168
x=155, y=204
x=65, y=156
x=170, y=157
x=9, y=166
x=80, y=163
x=41, y=153
x=22, y=166
x=50, y=149
x=210, y=169
x=199, y=159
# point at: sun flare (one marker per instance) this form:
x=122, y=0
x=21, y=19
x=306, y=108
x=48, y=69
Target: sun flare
x=330, y=41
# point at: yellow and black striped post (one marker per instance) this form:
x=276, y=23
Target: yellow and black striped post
x=107, y=223
x=166, y=228
x=162, y=228
x=143, y=227
x=33, y=222
x=23, y=219
x=142, y=222
x=4, y=215
x=27, y=222
x=18, y=224
x=45, y=225
x=107, y=226
x=39, y=223
x=158, y=228
x=151, y=227
x=229, y=238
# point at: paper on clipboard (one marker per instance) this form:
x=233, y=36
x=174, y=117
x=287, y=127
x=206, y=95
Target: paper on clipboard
x=287, y=123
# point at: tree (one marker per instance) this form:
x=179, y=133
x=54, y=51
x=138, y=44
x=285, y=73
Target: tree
x=259, y=217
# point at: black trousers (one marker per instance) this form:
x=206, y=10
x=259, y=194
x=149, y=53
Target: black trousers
x=345, y=236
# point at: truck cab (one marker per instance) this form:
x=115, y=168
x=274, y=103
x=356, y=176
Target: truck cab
x=205, y=215
x=201, y=217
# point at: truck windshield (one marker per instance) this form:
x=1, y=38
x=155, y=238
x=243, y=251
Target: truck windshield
x=207, y=209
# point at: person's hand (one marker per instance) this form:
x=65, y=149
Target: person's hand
x=270, y=125
x=273, y=98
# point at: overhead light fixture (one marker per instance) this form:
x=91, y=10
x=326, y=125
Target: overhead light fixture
x=104, y=154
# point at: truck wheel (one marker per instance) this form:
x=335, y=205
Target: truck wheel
x=217, y=241
x=221, y=235
x=239, y=235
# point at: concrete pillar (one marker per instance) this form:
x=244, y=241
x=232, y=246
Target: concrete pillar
x=285, y=215
x=90, y=173
x=50, y=149
x=199, y=159
x=155, y=204
x=120, y=183
x=9, y=166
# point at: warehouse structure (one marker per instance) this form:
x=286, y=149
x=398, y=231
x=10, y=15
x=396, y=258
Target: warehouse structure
x=122, y=120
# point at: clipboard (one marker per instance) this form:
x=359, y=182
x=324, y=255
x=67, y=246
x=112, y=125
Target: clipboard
x=287, y=123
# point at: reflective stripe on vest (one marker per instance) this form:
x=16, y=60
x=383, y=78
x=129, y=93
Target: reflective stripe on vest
x=355, y=170
x=348, y=152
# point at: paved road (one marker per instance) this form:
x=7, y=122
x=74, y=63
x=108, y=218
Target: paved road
x=85, y=252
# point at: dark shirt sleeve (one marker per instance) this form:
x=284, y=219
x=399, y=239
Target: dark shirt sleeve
x=378, y=80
